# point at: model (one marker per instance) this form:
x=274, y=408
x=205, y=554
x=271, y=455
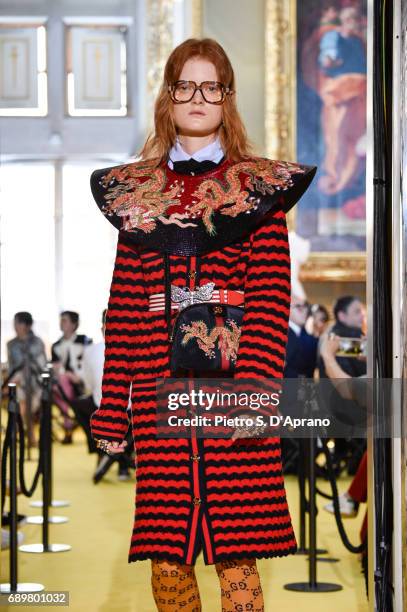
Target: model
x=189, y=229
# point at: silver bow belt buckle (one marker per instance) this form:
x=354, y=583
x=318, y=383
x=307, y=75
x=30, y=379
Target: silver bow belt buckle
x=183, y=296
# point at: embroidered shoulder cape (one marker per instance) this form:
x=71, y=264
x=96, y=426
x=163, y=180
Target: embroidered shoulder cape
x=162, y=210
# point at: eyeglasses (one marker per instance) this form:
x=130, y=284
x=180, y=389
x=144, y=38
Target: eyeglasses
x=212, y=92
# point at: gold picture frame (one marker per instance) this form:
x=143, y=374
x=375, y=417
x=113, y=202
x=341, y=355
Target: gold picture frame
x=280, y=130
x=160, y=40
x=196, y=25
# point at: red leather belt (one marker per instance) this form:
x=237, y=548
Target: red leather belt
x=219, y=296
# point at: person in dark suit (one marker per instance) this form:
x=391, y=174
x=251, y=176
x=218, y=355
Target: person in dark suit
x=301, y=359
x=301, y=355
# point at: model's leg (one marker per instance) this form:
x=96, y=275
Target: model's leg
x=240, y=586
x=175, y=588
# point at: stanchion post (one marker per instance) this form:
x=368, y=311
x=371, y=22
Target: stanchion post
x=46, y=457
x=301, y=485
x=312, y=517
x=46, y=408
x=302, y=462
x=49, y=371
x=14, y=586
x=13, y=409
x=53, y=503
x=312, y=586
x=303, y=459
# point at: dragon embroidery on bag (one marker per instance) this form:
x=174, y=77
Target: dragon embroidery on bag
x=139, y=194
x=226, y=337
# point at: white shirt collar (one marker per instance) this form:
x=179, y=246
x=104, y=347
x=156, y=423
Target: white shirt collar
x=71, y=339
x=296, y=328
x=212, y=152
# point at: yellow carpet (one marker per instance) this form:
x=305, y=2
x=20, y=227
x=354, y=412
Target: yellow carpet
x=96, y=573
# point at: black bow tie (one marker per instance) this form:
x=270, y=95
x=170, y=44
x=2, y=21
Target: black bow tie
x=191, y=166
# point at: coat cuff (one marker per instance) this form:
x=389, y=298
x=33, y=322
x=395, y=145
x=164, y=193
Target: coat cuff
x=101, y=429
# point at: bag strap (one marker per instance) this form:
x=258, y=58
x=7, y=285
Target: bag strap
x=197, y=269
x=167, y=289
x=167, y=286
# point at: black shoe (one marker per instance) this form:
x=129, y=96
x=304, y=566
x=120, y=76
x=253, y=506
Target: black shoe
x=67, y=439
x=104, y=465
x=5, y=520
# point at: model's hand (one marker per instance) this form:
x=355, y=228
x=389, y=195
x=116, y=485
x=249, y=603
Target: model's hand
x=363, y=356
x=111, y=448
x=248, y=431
x=117, y=448
x=329, y=345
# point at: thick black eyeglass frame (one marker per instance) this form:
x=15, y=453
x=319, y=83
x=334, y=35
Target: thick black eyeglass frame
x=225, y=91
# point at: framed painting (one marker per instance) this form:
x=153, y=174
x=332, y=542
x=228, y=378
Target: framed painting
x=316, y=114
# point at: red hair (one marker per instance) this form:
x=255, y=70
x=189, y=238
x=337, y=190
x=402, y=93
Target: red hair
x=232, y=133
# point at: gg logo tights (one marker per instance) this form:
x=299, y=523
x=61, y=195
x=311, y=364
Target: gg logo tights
x=175, y=588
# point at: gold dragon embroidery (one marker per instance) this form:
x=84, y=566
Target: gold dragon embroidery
x=139, y=193
x=226, y=337
x=264, y=176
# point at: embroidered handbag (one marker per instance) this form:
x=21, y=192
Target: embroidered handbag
x=205, y=337
x=205, y=334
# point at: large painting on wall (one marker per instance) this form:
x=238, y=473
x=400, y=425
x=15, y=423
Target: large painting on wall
x=331, y=122
x=315, y=113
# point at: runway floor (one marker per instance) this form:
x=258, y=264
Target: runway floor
x=99, y=578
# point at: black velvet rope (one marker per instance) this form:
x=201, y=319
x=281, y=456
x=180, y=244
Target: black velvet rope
x=335, y=496
x=27, y=491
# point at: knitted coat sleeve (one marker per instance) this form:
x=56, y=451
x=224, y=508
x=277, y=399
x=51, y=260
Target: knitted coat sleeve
x=264, y=331
x=125, y=306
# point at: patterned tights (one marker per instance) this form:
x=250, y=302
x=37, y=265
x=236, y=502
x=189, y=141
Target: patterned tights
x=175, y=588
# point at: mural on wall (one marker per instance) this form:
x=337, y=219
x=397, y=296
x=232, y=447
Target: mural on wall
x=331, y=122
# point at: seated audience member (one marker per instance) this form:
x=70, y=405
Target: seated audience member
x=92, y=371
x=301, y=352
x=349, y=318
x=357, y=492
x=67, y=353
x=26, y=361
x=301, y=357
x=317, y=321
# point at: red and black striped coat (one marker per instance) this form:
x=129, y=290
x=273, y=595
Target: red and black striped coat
x=226, y=496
